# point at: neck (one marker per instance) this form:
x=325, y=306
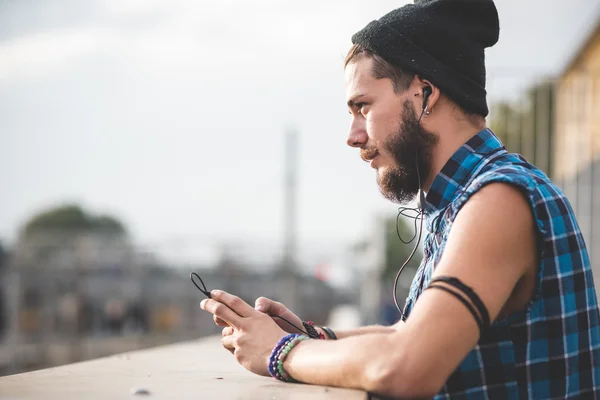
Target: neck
x=451, y=138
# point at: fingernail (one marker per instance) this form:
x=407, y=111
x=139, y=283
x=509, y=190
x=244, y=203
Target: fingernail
x=215, y=293
x=260, y=307
x=202, y=304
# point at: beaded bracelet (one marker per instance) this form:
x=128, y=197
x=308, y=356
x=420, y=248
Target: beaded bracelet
x=276, y=350
x=274, y=358
x=281, y=373
x=280, y=352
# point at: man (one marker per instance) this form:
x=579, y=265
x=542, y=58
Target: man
x=503, y=305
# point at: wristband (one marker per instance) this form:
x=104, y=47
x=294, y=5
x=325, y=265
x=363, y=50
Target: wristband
x=329, y=332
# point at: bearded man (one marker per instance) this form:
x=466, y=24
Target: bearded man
x=503, y=304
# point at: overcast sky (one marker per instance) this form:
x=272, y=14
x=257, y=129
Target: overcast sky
x=170, y=114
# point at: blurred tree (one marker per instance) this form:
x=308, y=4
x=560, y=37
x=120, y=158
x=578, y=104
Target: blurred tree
x=525, y=126
x=68, y=235
x=73, y=218
x=397, y=252
x=502, y=112
x=63, y=252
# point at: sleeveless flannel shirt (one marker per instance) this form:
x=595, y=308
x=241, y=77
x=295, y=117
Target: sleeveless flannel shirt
x=551, y=349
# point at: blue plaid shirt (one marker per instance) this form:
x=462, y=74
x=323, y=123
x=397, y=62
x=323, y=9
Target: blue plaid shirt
x=550, y=350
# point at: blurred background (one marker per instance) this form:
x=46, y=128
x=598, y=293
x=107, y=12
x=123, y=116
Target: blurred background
x=141, y=140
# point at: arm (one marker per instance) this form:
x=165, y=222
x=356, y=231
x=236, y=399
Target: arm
x=491, y=246
x=269, y=306
x=364, y=330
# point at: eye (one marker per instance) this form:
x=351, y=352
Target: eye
x=361, y=108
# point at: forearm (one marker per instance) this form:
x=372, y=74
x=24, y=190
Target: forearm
x=363, y=330
x=360, y=362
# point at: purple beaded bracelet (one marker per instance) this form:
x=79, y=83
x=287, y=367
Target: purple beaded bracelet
x=276, y=351
x=280, y=352
x=281, y=373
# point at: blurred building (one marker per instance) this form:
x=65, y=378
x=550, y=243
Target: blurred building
x=67, y=298
x=578, y=110
x=577, y=138
x=556, y=126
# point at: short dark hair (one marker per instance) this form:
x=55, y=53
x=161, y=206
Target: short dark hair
x=401, y=78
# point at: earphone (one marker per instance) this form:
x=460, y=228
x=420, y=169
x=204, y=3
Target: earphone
x=427, y=91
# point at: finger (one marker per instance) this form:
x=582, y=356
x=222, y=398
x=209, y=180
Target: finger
x=221, y=311
x=229, y=349
x=227, y=331
x=239, y=306
x=219, y=321
x=264, y=305
x=228, y=342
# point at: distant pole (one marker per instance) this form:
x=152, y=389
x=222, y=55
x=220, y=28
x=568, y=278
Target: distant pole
x=12, y=289
x=288, y=292
x=290, y=191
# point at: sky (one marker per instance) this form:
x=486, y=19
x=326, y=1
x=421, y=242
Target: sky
x=171, y=115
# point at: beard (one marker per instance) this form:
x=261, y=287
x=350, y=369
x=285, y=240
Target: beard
x=409, y=146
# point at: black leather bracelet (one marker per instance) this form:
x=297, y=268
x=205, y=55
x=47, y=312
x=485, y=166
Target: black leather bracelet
x=468, y=305
x=455, y=282
x=329, y=332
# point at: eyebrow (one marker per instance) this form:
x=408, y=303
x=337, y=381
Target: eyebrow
x=353, y=100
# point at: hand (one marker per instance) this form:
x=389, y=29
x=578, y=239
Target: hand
x=269, y=306
x=251, y=335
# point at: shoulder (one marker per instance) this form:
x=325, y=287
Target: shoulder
x=512, y=170
x=495, y=212
x=509, y=188
x=495, y=234
x=500, y=204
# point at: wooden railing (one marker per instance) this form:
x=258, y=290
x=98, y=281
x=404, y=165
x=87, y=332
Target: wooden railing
x=193, y=370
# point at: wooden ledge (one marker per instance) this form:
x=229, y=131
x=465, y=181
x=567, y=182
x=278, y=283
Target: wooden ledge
x=194, y=370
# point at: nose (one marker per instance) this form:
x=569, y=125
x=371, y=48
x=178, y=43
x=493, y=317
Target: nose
x=357, y=137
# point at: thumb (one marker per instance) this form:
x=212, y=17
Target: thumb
x=264, y=305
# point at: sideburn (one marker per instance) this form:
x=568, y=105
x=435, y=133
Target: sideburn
x=401, y=184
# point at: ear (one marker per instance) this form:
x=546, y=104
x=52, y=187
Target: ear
x=433, y=97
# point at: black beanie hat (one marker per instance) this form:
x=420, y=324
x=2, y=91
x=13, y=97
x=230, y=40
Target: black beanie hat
x=442, y=41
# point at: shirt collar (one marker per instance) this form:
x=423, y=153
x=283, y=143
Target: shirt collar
x=457, y=171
